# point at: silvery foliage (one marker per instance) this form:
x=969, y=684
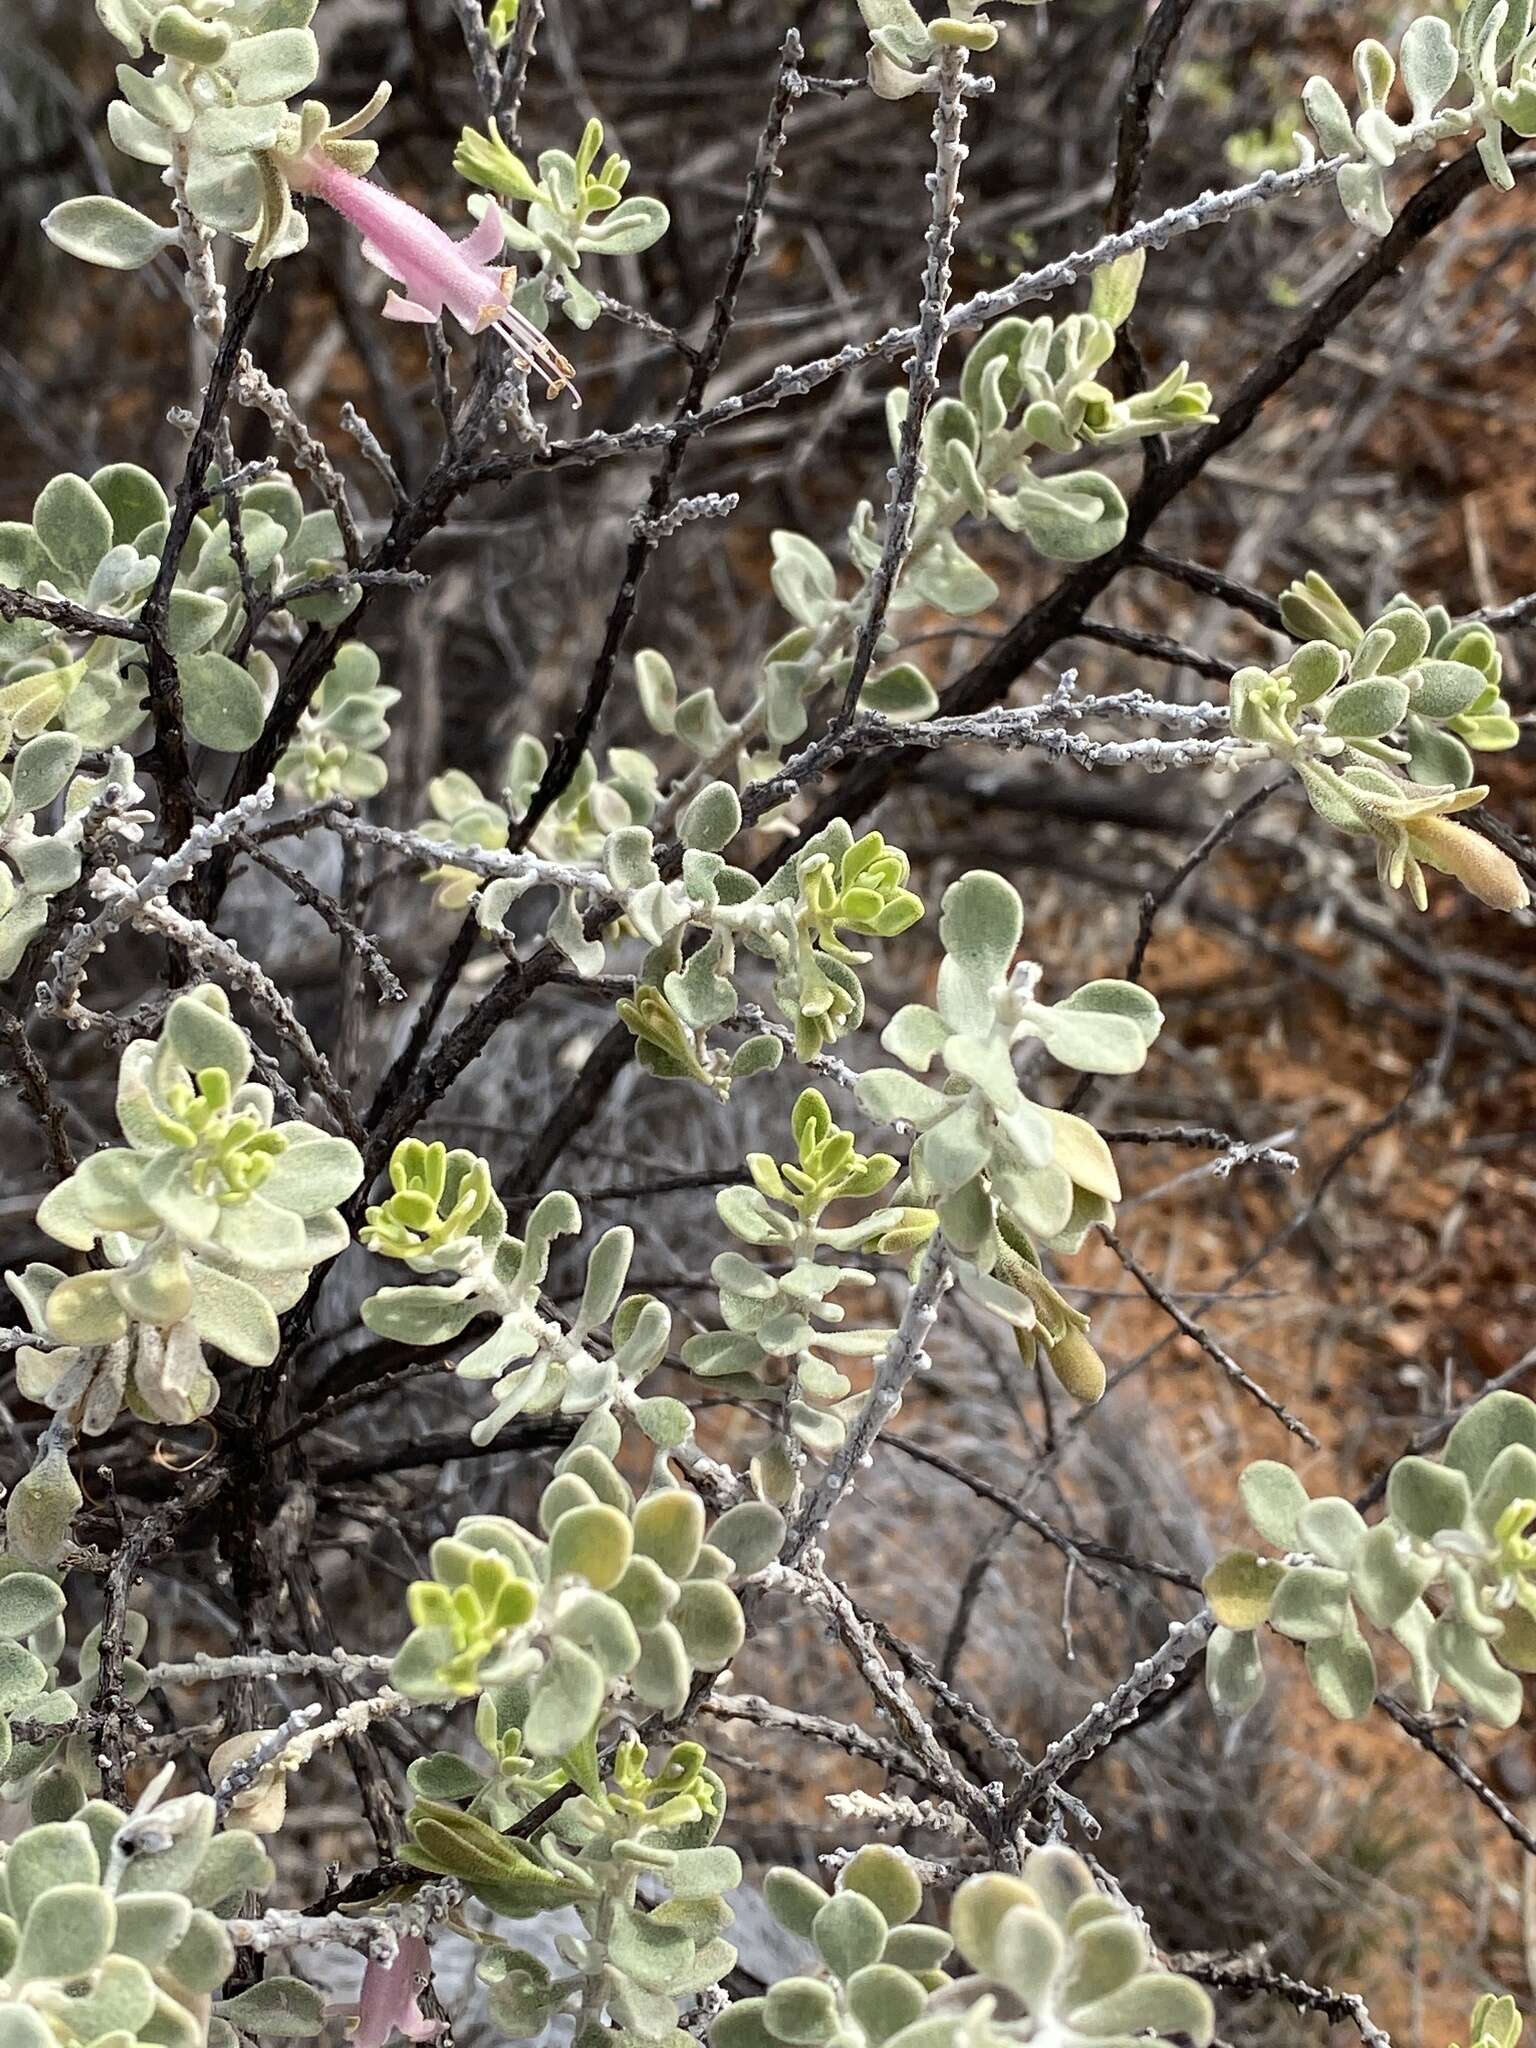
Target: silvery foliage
x=209, y=1221
x=31, y=1643
x=1496, y=2022
x=335, y=750
x=1027, y=389
x=904, y=50
x=1379, y=724
x=1057, y=1961
x=41, y=1507
x=1052, y=1960
x=633, y=1854
x=40, y=865
x=574, y=828
x=97, y=543
x=1005, y=1174
x=52, y=1761
x=771, y=1348
x=444, y=1217
x=213, y=112
x=213, y=1216
x=797, y=921
x=615, y=1597
x=613, y=1590
x=876, y=1967
x=111, y=1926
x=1491, y=53
x=576, y=207
x=813, y=656
x=1459, y=1526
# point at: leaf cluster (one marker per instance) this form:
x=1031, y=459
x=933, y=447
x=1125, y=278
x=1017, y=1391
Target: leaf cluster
x=97, y=543
x=1449, y=1571
x=1379, y=724
x=610, y=1588
x=207, y=1224
x=576, y=207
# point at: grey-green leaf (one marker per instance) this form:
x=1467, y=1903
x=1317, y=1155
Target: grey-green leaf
x=102, y=230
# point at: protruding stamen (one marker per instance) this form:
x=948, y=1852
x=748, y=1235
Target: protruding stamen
x=536, y=351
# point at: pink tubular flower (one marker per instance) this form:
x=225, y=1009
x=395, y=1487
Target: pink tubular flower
x=436, y=271
x=387, y=2005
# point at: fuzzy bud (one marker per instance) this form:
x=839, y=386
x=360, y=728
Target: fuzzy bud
x=1078, y=1366
x=1477, y=864
x=42, y=1509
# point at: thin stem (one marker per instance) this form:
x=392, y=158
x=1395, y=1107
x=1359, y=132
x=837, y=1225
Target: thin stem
x=923, y=373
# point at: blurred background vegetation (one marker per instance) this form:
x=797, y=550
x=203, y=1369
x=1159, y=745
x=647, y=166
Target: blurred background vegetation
x=1393, y=1053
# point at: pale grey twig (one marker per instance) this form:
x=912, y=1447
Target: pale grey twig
x=256, y=391
x=59, y=994
x=844, y=1735
x=901, y=1358
x=709, y=505
x=923, y=373
x=299, y=822
x=1247, y=1977
x=470, y=16
x=204, y=1669
x=645, y=323
x=931, y=1873
x=244, y=476
x=1009, y=728
x=330, y=912
x=1201, y=1137
x=750, y=1018
x=899, y=1810
x=1105, y=1718
x=346, y=580
x=514, y=69
x=522, y=867
x=1210, y=209
x=376, y=1933
x=813, y=1584
x=372, y=1933
x=302, y=1736
x=1521, y=611
x=243, y=1774
x=1219, y=1169
x=374, y=452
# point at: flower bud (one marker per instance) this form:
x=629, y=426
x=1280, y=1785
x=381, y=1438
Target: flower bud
x=42, y=1508
x=1475, y=862
x=1078, y=1366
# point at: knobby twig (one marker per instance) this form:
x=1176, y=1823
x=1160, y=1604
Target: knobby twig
x=165, y=709
x=923, y=373
x=1104, y=1720
x=1246, y=1978
x=901, y=1358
